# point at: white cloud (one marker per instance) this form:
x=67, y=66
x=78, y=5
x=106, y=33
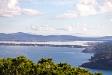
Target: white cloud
x=31, y=12
x=107, y=6
x=11, y=8
x=66, y=30
x=61, y=2
x=88, y=7
x=50, y=30
x=110, y=20
x=42, y=28
x=71, y=14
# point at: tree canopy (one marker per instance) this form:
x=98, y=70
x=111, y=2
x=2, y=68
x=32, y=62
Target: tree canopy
x=45, y=66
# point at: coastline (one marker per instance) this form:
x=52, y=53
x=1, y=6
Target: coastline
x=93, y=65
x=51, y=44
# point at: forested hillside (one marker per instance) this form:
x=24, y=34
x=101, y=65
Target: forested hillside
x=102, y=58
x=23, y=66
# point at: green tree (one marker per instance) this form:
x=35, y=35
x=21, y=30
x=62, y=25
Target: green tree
x=23, y=66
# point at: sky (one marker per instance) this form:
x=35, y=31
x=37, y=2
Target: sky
x=57, y=17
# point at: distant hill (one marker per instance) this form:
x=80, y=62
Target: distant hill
x=41, y=38
x=106, y=38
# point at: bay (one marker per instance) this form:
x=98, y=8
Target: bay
x=73, y=56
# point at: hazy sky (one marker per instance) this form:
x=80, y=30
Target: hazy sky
x=71, y=17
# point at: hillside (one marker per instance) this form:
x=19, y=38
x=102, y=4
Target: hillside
x=23, y=66
x=102, y=58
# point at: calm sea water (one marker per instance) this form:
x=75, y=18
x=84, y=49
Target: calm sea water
x=73, y=56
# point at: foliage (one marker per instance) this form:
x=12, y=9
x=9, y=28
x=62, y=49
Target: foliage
x=23, y=66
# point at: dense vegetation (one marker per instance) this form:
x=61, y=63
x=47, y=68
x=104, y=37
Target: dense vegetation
x=102, y=58
x=23, y=66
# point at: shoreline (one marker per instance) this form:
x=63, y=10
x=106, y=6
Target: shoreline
x=51, y=45
x=91, y=65
x=73, y=44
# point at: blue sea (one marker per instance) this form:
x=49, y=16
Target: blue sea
x=73, y=56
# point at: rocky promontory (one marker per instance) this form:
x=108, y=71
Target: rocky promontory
x=102, y=58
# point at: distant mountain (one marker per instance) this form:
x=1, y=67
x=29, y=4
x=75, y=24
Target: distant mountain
x=30, y=37
x=106, y=38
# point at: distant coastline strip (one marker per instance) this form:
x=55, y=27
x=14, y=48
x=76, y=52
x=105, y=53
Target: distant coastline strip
x=59, y=44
